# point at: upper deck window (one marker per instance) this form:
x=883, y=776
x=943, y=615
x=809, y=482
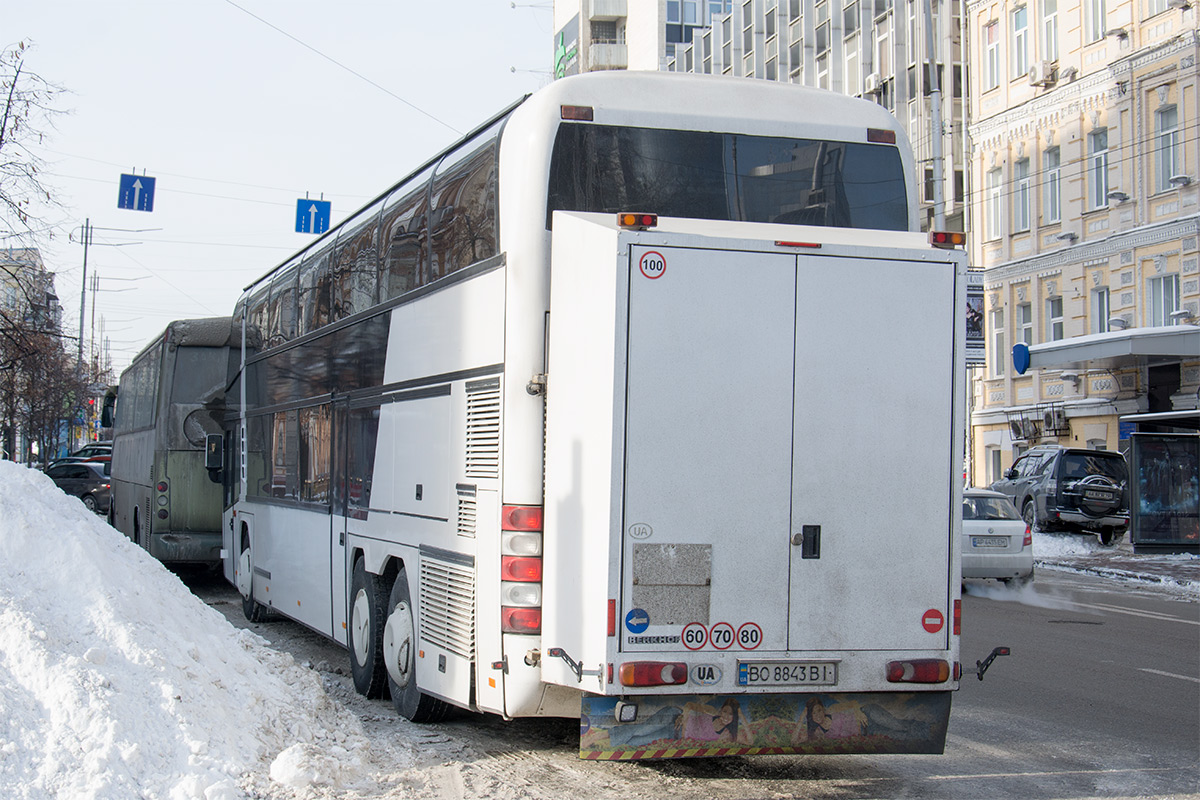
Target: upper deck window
x=725, y=176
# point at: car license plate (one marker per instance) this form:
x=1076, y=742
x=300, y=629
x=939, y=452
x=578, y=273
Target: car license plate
x=787, y=673
x=989, y=541
x=1098, y=495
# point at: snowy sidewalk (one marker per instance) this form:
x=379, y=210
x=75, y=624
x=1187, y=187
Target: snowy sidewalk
x=1074, y=553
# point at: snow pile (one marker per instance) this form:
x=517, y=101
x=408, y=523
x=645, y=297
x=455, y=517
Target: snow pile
x=116, y=682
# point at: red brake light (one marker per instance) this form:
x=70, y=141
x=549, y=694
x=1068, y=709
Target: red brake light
x=520, y=620
x=881, y=136
x=520, y=568
x=918, y=670
x=652, y=673
x=947, y=239
x=1028, y=537
x=521, y=518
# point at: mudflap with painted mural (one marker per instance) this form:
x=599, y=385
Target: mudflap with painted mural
x=686, y=726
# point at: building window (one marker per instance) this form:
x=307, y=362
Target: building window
x=995, y=465
x=991, y=41
x=1155, y=7
x=1021, y=195
x=1052, y=185
x=1054, y=319
x=1098, y=167
x=1166, y=156
x=1095, y=18
x=1025, y=322
x=1164, y=300
x=1100, y=310
x=1050, y=29
x=1020, y=42
x=992, y=202
x=999, y=354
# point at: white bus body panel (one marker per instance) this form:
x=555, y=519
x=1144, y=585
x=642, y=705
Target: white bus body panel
x=699, y=416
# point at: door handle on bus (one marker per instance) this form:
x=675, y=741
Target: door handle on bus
x=808, y=540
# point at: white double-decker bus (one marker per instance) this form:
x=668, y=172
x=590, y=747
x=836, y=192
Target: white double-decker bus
x=525, y=453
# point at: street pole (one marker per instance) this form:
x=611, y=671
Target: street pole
x=87, y=237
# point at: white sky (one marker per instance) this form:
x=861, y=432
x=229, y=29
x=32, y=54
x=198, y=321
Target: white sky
x=237, y=121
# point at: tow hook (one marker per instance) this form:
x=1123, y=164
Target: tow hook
x=982, y=666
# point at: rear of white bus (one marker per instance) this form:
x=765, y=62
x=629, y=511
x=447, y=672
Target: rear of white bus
x=750, y=461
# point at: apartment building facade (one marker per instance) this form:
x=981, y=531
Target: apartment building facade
x=1085, y=217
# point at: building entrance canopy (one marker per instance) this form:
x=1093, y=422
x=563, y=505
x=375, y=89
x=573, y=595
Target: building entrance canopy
x=1119, y=349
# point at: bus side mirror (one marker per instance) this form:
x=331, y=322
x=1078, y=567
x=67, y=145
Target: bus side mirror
x=106, y=411
x=214, y=456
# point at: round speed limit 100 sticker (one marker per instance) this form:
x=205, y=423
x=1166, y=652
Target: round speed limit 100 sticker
x=652, y=264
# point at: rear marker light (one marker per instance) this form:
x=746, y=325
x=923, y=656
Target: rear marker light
x=811, y=245
x=957, y=618
x=637, y=221
x=918, y=670
x=881, y=136
x=652, y=673
x=612, y=627
x=947, y=239
x=577, y=113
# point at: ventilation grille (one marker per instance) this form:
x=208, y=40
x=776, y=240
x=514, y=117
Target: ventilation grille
x=448, y=606
x=483, y=429
x=466, y=516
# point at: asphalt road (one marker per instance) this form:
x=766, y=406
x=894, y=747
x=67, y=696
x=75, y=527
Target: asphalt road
x=1100, y=698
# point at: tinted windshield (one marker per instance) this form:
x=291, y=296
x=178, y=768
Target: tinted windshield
x=989, y=508
x=727, y=176
x=1078, y=465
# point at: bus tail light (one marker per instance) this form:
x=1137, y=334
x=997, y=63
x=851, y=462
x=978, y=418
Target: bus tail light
x=521, y=620
x=521, y=518
x=652, y=673
x=161, y=486
x=947, y=239
x=521, y=569
x=637, y=222
x=918, y=670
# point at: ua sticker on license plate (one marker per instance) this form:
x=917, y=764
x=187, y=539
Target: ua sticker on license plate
x=787, y=673
x=989, y=541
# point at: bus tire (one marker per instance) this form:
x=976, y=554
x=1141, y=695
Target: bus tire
x=253, y=610
x=368, y=609
x=399, y=649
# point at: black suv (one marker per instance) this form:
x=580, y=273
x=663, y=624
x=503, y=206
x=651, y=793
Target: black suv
x=1067, y=489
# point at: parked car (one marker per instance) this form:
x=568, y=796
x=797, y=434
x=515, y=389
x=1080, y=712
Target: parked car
x=96, y=451
x=1068, y=489
x=996, y=542
x=90, y=481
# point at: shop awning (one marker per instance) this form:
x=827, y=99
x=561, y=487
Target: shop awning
x=1118, y=349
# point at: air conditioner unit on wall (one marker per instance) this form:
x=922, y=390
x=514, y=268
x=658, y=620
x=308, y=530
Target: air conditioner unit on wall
x=1016, y=430
x=872, y=83
x=1030, y=429
x=1041, y=73
x=1055, y=419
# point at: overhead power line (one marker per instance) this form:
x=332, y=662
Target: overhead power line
x=340, y=65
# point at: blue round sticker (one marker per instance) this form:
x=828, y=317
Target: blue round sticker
x=637, y=620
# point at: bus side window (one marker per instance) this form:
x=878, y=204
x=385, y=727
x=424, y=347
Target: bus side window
x=403, y=231
x=314, y=293
x=463, y=220
x=355, y=265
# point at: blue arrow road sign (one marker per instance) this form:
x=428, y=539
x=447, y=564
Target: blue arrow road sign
x=312, y=216
x=137, y=193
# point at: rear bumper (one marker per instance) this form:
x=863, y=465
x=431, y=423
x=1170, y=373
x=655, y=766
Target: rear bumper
x=1013, y=565
x=1092, y=523
x=190, y=547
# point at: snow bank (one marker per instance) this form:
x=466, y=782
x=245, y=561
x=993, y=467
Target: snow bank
x=116, y=682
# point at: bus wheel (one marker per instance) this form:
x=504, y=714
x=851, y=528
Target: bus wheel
x=368, y=605
x=251, y=608
x=399, y=653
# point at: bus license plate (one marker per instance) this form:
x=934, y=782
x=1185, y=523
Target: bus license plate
x=787, y=673
x=989, y=541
